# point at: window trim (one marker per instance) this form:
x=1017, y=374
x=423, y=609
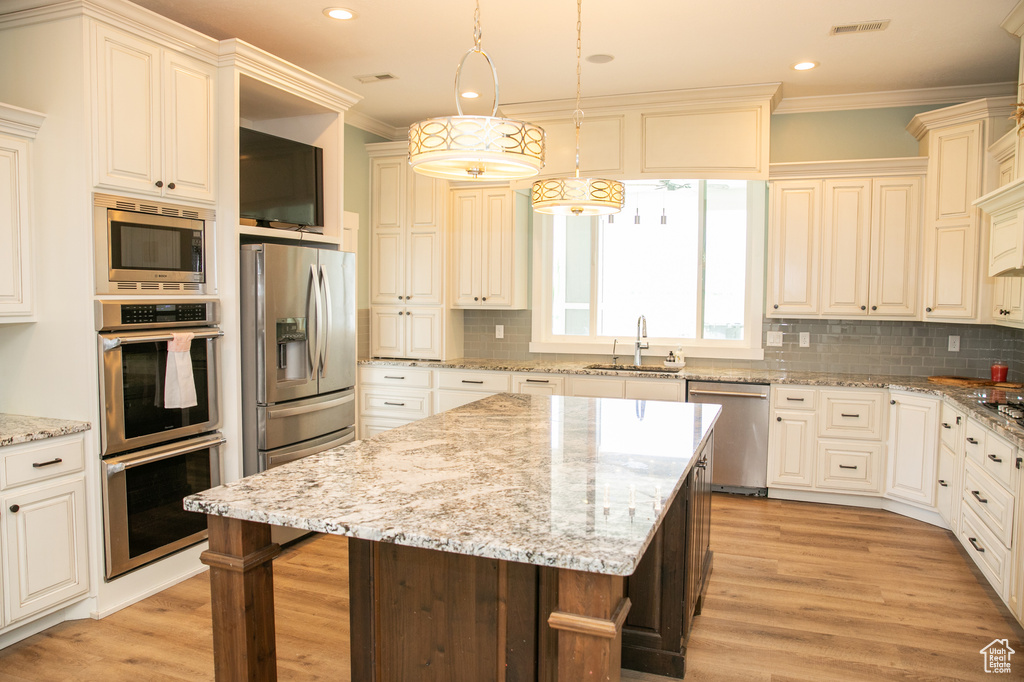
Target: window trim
x=750, y=348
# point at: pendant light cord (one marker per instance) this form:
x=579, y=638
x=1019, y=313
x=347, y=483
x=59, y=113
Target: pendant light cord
x=577, y=116
x=478, y=33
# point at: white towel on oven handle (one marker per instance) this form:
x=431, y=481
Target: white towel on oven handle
x=179, y=383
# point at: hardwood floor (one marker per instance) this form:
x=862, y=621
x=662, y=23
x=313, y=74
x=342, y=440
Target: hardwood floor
x=798, y=592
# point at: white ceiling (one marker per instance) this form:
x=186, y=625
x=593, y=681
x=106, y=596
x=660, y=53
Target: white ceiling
x=657, y=44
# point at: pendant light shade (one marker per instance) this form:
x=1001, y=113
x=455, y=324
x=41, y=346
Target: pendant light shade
x=476, y=147
x=577, y=196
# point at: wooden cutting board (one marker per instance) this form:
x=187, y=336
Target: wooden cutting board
x=971, y=381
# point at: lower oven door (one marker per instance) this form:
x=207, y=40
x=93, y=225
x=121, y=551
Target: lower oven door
x=142, y=500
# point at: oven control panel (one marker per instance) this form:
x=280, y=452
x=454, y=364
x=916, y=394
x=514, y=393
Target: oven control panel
x=116, y=315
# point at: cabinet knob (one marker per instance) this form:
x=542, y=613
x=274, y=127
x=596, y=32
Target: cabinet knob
x=476, y=298
x=14, y=508
x=408, y=297
x=484, y=298
x=400, y=312
x=927, y=310
x=776, y=306
x=778, y=419
x=874, y=307
x=399, y=298
x=892, y=402
x=159, y=183
x=170, y=185
x=863, y=307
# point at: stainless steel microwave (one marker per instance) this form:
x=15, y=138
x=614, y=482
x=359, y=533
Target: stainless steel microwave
x=148, y=247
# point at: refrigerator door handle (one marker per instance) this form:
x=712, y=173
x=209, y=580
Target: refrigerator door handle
x=314, y=351
x=325, y=283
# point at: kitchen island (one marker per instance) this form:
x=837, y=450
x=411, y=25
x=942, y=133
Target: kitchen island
x=506, y=539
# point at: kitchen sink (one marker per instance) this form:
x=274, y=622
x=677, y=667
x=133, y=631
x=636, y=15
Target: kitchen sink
x=636, y=368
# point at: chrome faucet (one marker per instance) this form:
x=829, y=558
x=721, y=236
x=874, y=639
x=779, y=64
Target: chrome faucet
x=637, y=360
x=615, y=358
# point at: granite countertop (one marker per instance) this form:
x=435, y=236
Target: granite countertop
x=17, y=428
x=532, y=479
x=967, y=399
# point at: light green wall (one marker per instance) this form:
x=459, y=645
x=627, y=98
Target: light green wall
x=357, y=200
x=851, y=134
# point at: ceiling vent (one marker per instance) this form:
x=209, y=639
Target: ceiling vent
x=376, y=77
x=862, y=27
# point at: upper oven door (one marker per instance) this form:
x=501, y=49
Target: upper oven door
x=144, y=247
x=134, y=367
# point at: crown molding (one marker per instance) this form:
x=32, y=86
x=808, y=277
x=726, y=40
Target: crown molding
x=893, y=98
x=1004, y=148
x=372, y=125
x=20, y=122
x=990, y=107
x=909, y=165
x=375, y=149
x=1014, y=21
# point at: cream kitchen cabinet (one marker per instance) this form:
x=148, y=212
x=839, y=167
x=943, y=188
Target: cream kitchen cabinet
x=393, y=396
x=456, y=387
x=43, y=538
x=153, y=118
x=18, y=128
x=952, y=423
x=794, y=246
x=406, y=332
x=538, y=384
x=489, y=250
x=633, y=389
x=913, y=446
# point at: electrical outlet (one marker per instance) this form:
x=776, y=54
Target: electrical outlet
x=499, y=331
x=954, y=343
x=774, y=338
x=805, y=339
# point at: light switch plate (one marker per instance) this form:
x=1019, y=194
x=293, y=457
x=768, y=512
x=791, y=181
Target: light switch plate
x=954, y=343
x=499, y=331
x=805, y=339
x=773, y=338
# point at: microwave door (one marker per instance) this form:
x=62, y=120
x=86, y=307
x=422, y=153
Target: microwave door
x=338, y=356
x=287, y=328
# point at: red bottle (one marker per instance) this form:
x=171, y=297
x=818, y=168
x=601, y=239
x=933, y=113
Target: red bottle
x=999, y=370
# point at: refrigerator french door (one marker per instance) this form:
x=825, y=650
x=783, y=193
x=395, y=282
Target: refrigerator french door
x=298, y=351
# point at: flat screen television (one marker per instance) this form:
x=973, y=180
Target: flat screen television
x=281, y=181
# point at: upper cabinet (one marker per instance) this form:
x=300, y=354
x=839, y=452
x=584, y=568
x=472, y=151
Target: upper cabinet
x=488, y=250
x=842, y=244
x=18, y=128
x=153, y=118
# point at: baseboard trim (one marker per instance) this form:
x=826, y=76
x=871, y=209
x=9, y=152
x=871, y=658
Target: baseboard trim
x=928, y=516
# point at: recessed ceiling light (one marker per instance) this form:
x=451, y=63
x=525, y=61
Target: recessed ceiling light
x=600, y=58
x=805, y=66
x=340, y=13
x=469, y=94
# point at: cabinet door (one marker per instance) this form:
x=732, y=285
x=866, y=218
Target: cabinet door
x=947, y=490
x=913, y=443
x=15, y=238
x=387, y=235
x=895, y=241
x=45, y=547
x=423, y=332
x=467, y=247
x=425, y=240
x=999, y=300
x=846, y=242
x=794, y=235
x=188, y=124
x=951, y=221
x=791, y=442
x=387, y=332
x=498, y=248
x=127, y=152
x=1014, y=296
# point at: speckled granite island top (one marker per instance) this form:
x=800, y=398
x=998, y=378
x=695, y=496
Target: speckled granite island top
x=18, y=428
x=578, y=483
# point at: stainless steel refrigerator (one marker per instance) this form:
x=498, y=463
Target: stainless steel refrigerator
x=298, y=352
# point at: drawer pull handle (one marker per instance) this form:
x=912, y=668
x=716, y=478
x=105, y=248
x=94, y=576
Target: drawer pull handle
x=972, y=441
x=538, y=381
x=943, y=483
x=946, y=426
x=40, y=465
x=976, y=545
x=852, y=416
x=995, y=459
x=978, y=497
x=394, y=404
x=795, y=400
x=467, y=381
x=14, y=508
x=387, y=377
x=847, y=466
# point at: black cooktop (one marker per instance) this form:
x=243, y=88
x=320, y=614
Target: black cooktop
x=1010, y=410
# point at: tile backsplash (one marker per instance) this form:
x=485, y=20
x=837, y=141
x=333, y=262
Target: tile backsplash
x=847, y=346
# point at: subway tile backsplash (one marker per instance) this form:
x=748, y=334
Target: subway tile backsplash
x=846, y=346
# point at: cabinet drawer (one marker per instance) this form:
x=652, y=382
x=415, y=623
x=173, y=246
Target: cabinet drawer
x=988, y=553
x=42, y=460
x=990, y=501
x=849, y=466
x=790, y=398
x=538, y=384
x=998, y=459
x=394, y=403
x=951, y=425
x=495, y=382
x=592, y=387
x=449, y=400
x=371, y=426
x=850, y=414
x=656, y=389
x=401, y=377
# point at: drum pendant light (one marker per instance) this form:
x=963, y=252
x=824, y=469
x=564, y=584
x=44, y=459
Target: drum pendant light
x=476, y=147
x=576, y=195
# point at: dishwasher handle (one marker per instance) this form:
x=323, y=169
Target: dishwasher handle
x=730, y=394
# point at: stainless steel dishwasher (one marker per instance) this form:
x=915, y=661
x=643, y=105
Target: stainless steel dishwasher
x=741, y=435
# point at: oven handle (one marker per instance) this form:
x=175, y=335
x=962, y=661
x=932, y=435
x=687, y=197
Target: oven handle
x=119, y=464
x=111, y=344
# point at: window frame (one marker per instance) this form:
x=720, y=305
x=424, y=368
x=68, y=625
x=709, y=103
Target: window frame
x=748, y=348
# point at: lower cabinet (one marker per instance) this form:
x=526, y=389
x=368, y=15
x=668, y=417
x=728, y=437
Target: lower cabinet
x=913, y=443
x=538, y=384
x=947, y=492
x=633, y=389
x=44, y=547
x=849, y=466
x=792, y=436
